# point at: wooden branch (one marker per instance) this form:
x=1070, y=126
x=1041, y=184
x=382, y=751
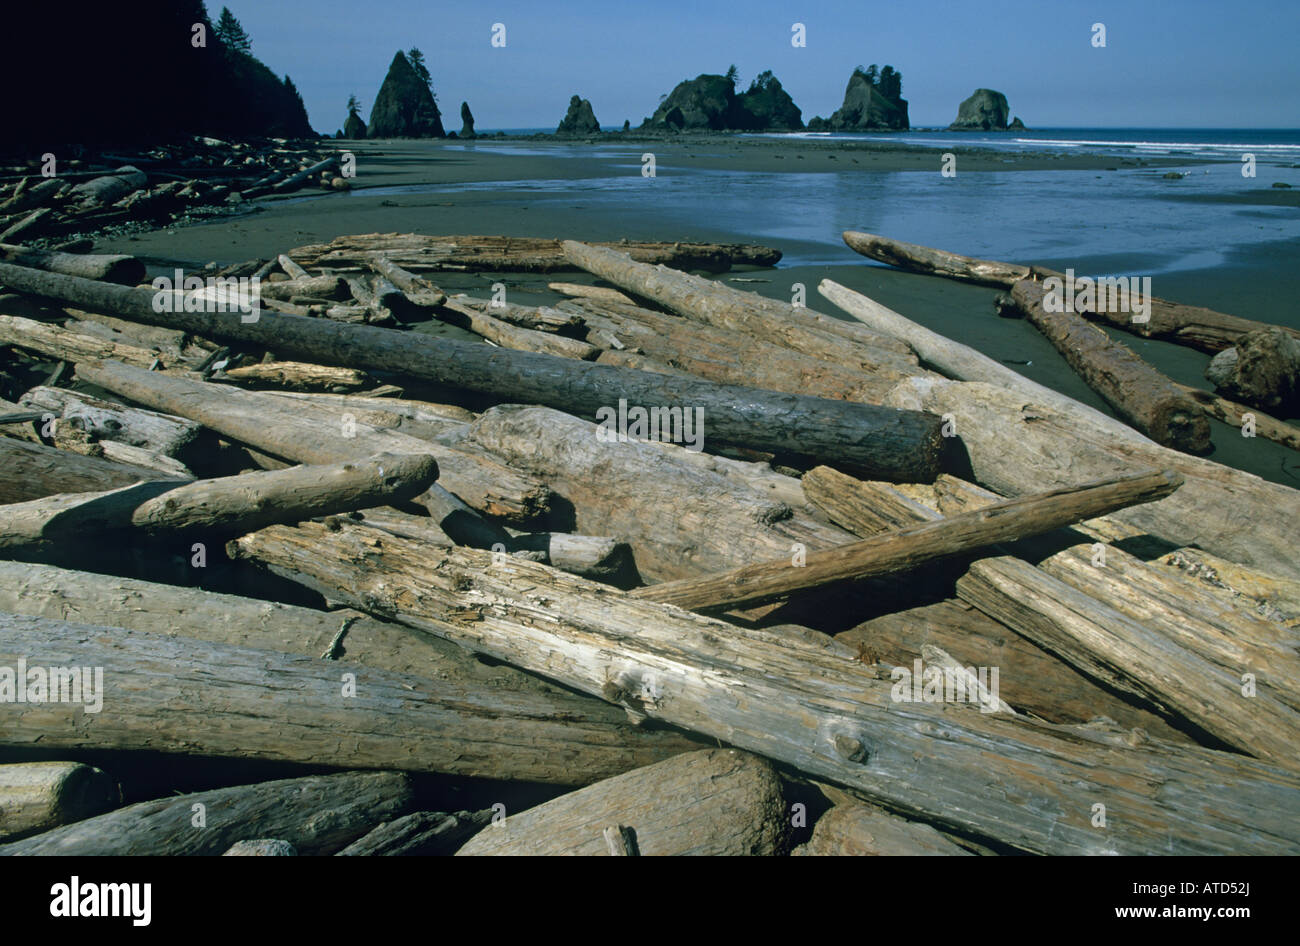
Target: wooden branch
x=1234, y=415
x=296, y=375
x=904, y=548
x=317, y=815
x=923, y=259
x=422, y=834
x=1029, y=785
x=513, y=336
x=713, y=802
x=179, y=696
x=880, y=442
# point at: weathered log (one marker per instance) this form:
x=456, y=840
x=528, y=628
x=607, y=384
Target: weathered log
x=323, y=287
x=1203, y=329
x=110, y=188
x=38, y=796
x=424, y=419
x=541, y=318
x=729, y=357
x=181, y=696
x=958, y=361
x=1030, y=678
x=1234, y=415
x=296, y=375
x=317, y=815
x=713, y=802
x=60, y=344
x=261, y=847
x=33, y=470
x=595, y=293
x=104, y=420
x=795, y=327
x=421, y=253
x=115, y=268
x=44, y=527
x=611, y=485
x=881, y=442
x=1142, y=395
x=89, y=598
x=318, y=434
x=422, y=834
x=513, y=336
x=858, y=830
x=1030, y=785
x=904, y=548
x=30, y=226
x=1017, y=446
x=1262, y=368
x=1185, y=674
x=31, y=196
x=1277, y=599
x=418, y=290
x=291, y=269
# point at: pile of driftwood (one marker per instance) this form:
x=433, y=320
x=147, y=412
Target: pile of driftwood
x=903, y=600
x=62, y=196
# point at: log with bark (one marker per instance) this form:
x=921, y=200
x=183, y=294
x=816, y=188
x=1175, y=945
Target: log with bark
x=420, y=253
x=58, y=524
x=33, y=470
x=716, y=802
x=1235, y=415
x=318, y=433
x=1027, y=784
x=880, y=442
x=1203, y=329
x=181, y=696
x=902, y=549
x=38, y=796
x=319, y=814
x=1142, y=395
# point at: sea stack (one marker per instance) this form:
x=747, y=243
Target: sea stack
x=985, y=110
x=579, y=119
x=872, y=102
x=405, y=107
x=710, y=103
x=467, y=122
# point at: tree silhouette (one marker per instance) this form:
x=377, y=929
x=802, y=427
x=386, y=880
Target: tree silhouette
x=231, y=34
x=354, y=104
x=733, y=75
x=891, y=84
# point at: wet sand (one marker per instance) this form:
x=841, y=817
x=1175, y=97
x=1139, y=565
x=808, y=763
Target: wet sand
x=410, y=186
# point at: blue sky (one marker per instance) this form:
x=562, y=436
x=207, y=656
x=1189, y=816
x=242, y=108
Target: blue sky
x=1166, y=64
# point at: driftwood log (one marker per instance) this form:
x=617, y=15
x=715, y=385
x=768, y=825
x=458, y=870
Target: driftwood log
x=105, y=420
x=1262, y=368
x=881, y=442
x=858, y=830
x=1142, y=395
x=114, y=268
x=180, y=696
x=422, y=834
x=904, y=548
x=318, y=433
x=1203, y=329
x=713, y=802
x=317, y=815
x=1027, y=784
x=38, y=796
x=49, y=526
x=420, y=253
x=33, y=471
